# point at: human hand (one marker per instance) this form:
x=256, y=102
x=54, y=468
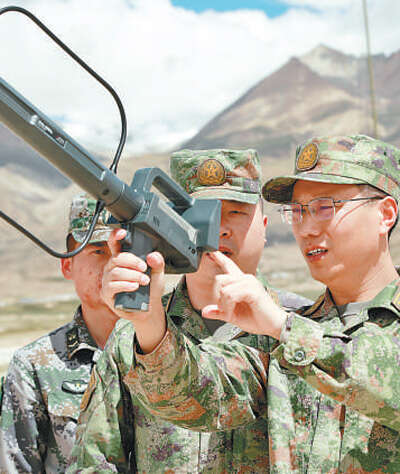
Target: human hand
x=243, y=301
x=125, y=272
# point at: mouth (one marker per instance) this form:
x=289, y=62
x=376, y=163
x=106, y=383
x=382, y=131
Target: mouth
x=316, y=252
x=226, y=251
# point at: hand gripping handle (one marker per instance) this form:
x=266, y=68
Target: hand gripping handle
x=140, y=244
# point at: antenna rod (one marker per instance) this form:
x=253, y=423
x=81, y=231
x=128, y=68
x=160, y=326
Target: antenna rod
x=371, y=72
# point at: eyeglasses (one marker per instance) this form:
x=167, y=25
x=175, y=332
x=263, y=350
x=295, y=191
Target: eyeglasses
x=320, y=209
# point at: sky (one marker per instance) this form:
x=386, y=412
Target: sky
x=270, y=7
x=174, y=63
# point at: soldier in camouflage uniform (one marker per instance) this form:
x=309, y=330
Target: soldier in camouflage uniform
x=115, y=433
x=47, y=378
x=330, y=388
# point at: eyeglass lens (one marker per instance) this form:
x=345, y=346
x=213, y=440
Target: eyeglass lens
x=320, y=209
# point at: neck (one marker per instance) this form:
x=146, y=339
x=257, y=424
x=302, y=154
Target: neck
x=100, y=323
x=364, y=287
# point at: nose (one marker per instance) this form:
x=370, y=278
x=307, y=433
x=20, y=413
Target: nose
x=224, y=231
x=308, y=226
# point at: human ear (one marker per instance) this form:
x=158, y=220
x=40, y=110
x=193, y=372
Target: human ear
x=265, y=223
x=66, y=268
x=388, y=211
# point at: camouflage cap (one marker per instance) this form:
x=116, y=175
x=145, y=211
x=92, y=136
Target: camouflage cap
x=80, y=217
x=356, y=159
x=218, y=174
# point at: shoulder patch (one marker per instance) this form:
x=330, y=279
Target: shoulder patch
x=72, y=339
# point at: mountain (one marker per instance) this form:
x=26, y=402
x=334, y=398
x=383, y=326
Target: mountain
x=322, y=92
x=18, y=156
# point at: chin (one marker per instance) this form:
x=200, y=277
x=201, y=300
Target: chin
x=324, y=277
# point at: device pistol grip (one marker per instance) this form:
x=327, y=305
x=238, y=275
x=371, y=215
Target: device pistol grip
x=140, y=244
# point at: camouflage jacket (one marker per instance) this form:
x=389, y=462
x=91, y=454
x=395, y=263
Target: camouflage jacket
x=116, y=434
x=43, y=389
x=330, y=394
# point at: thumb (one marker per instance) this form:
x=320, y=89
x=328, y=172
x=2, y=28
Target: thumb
x=212, y=311
x=114, y=243
x=157, y=280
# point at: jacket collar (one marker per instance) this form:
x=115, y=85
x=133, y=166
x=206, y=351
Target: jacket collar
x=388, y=298
x=78, y=337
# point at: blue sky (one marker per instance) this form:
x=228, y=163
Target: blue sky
x=272, y=8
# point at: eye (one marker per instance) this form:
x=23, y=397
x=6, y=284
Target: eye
x=99, y=252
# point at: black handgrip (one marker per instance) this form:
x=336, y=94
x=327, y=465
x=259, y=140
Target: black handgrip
x=140, y=244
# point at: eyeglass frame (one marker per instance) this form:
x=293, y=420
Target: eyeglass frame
x=313, y=216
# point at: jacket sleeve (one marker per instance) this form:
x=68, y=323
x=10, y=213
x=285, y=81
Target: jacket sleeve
x=204, y=387
x=358, y=369
x=100, y=446
x=24, y=422
x=224, y=386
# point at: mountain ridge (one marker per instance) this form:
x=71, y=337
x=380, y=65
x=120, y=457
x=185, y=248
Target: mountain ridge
x=324, y=92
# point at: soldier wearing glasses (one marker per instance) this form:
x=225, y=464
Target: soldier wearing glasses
x=330, y=388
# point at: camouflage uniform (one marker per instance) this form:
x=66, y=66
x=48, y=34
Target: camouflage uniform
x=46, y=380
x=329, y=391
x=113, y=423
x=115, y=433
x=43, y=389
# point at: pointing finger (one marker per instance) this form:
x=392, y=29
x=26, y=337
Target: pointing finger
x=225, y=263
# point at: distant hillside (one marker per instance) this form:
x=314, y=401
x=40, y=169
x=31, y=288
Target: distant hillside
x=18, y=156
x=323, y=92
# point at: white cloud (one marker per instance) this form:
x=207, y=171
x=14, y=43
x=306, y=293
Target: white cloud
x=174, y=69
x=321, y=4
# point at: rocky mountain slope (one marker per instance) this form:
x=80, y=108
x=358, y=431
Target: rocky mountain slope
x=323, y=92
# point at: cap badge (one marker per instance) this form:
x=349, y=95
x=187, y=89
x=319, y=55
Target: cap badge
x=308, y=158
x=211, y=172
